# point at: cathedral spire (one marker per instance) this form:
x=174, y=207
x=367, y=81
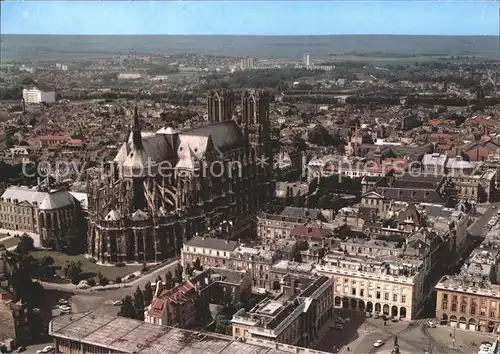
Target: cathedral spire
x=136, y=131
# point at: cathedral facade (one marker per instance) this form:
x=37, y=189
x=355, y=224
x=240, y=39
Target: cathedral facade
x=162, y=188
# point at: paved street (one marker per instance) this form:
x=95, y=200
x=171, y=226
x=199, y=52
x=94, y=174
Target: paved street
x=360, y=333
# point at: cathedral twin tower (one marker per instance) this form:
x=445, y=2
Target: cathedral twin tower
x=180, y=204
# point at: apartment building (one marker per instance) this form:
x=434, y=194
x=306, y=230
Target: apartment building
x=14, y=320
x=35, y=95
x=294, y=317
x=471, y=299
x=213, y=252
x=186, y=304
x=388, y=285
x=48, y=212
x=280, y=225
x=478, y=187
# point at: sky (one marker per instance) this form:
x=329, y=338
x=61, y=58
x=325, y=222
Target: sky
x=252, y=17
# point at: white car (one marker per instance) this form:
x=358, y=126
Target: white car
x=63, y=302
x=431, y=324
x=48, y=349
x=378, y=343
x=117, y=303
x=65, y=308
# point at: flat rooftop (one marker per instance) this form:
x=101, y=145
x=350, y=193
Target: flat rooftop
x=125, y=335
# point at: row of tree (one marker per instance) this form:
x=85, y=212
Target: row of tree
x=134, y=307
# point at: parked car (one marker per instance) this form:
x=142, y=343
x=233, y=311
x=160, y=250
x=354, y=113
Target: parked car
x=21, y=349
x=377, y=315
x=378, y=343
x=368, y=314
x=394, y=319
x=65, y=309
x=431, y=324
x=337, y=326
x=117, y=303
x=48, y=349
x=63, y=302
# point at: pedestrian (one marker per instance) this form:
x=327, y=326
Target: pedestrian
x=348, y=349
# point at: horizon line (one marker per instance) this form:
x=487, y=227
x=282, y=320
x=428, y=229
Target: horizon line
x=252, y=35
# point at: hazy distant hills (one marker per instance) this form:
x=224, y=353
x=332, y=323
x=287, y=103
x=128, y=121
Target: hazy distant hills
x=15, y=47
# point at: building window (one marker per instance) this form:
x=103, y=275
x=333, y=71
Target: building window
x=463, y=308
x=473, y=309
x=378, y=294
x=444, y=305
x=362, y=292
x=386, y=296
x=353, y=291
x=453, y=306
x=403, y=299
x=395, y=297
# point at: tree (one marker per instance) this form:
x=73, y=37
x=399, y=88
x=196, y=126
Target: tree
x=127, y=308
x=169, y=280
x=298, y=199
x=139, y=304
x=289, y=196
x=72, y=271
x=148, y=294
x=313, y=185
x=189, y=270
x=178, y=273
x=197, y=264
x=103, y=281
x=25, y=245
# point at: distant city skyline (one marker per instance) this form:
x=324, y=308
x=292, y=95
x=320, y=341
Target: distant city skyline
x=244, y=17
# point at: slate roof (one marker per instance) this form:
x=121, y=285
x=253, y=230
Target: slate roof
x=212, y=243
x=44, y=200
x=221, y=137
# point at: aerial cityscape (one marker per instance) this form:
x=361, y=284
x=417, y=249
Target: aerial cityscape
x=204, y=177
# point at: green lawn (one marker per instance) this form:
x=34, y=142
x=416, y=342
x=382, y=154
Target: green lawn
x=11, y=242
x=89, y=269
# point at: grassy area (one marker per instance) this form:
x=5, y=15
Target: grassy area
x=90, y=269
x=11, y=242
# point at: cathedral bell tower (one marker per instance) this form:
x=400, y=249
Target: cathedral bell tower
x=256, y=128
